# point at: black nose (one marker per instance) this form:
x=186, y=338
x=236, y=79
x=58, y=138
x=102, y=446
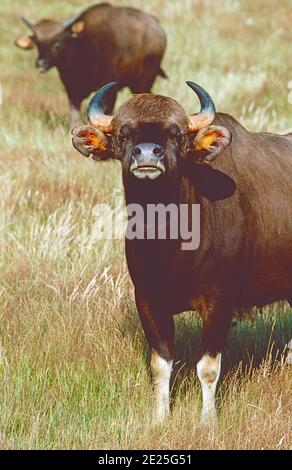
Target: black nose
x=158, y=151
x=136, y=151
x=148, y=150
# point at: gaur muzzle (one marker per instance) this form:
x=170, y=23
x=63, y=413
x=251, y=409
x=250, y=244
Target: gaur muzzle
x=42, y=65
x=147, y=161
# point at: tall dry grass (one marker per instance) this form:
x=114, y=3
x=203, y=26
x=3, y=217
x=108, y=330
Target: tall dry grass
x=73, y=360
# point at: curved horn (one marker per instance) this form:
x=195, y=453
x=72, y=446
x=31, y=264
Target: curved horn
x=68, y=23
x=95, y=112
x=27, y=23
x=207, y=113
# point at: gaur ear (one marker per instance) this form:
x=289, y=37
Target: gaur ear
x=77, y=28
x=92, y=142
x=25, y=42
x=209, y=142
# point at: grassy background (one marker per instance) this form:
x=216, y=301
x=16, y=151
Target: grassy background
x=74, y=366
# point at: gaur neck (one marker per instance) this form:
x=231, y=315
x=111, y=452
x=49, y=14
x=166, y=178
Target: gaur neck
x=160, y=191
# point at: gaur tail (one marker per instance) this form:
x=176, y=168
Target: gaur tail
x=162, y=74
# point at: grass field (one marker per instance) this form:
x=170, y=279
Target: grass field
x=74, y=366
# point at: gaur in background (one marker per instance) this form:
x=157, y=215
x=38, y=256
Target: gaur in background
x=243, y=183
x=101, y=44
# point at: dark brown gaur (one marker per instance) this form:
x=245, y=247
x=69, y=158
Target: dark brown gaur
x=243, y=185
x=89, y=50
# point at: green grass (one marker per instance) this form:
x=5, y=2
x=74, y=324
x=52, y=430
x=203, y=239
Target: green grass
x=74, y=366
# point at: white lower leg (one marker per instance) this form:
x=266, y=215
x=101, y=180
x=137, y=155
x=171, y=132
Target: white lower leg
x=208, y=370
x=161, y=370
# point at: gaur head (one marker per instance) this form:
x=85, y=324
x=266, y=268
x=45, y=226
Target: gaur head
x=151, y=135
x=51, y=39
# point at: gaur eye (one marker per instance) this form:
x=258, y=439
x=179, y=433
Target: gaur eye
x=123, y=138
x=175, y=133
x=124, y=133
x=57, y=45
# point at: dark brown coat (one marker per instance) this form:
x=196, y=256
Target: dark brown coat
x=245, y=195
x=101, y=44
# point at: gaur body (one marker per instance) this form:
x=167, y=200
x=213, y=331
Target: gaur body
x=101, y=44
x=243, y=184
